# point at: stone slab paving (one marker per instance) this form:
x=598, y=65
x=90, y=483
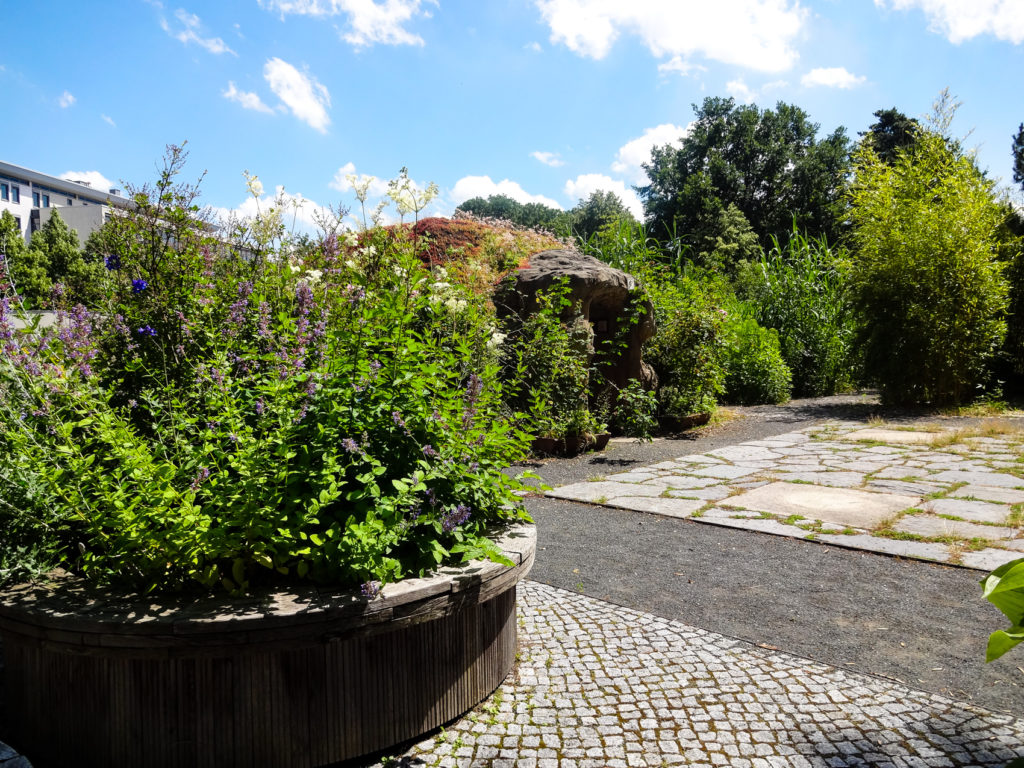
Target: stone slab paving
x=600, y=686
x=938, y=494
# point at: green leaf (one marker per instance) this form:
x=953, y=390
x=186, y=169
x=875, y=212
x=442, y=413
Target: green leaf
x=1000, y=641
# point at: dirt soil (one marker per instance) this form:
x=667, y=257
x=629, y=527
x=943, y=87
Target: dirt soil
x=922, y=624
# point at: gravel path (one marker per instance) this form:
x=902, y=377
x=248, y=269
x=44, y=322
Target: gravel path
x=923, y=624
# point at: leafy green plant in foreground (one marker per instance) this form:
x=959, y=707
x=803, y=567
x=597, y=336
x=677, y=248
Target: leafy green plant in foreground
x=1004, y=588
x=230, y=417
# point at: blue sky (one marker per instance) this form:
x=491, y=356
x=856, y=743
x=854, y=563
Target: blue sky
x=540, y=99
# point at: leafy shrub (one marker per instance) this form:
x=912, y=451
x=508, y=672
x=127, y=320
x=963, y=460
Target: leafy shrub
x=231, y=417
x=925, y=280
x=546, y=366
x=686, y=352
x=800, y=290
x=754, y=369
x=1004, y=588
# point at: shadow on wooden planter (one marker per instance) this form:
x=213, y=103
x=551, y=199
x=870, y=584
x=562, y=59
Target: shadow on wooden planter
x=283, y=680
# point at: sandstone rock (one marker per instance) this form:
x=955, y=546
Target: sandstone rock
x=600, y=294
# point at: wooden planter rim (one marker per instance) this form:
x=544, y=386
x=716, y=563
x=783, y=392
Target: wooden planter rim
x=68, y=613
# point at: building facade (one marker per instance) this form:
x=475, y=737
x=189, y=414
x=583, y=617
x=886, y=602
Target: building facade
x=31, y=197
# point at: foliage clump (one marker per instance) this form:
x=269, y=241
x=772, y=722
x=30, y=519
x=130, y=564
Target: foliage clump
x=925, y=281
x=227, y=417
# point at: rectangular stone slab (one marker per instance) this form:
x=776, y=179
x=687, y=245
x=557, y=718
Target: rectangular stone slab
x=899, y=436
x=927, y=525
x=840, y=506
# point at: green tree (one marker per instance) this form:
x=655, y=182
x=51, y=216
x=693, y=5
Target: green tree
x=925, y=276
x=892, y=132
x=57, y=246
x=596, y=212
x=767, y=163
x=728, y=241
x=1018, y=156
x=533, y=215
x=27, y=269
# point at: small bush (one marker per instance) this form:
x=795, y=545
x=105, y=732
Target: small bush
x=755, y=372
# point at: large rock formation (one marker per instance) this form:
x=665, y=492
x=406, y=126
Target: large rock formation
x=607, y=299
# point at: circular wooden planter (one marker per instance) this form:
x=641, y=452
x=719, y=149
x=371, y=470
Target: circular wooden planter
x=296, y=679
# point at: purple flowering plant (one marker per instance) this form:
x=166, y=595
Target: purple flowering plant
x=281, y=415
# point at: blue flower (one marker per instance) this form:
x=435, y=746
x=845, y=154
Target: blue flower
x=146, y=331
x=138, y=286
x=112, y=262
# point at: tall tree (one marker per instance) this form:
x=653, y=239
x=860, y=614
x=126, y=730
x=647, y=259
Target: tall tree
x=891, y=132
x=525, y=214
x=599, y=210
x=26, y=270
x=767, y=163
x=1018, y=156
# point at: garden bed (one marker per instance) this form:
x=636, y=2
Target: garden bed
x=298, y=678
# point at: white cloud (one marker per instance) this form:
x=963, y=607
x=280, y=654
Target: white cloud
x=961, y=20
x=248, y=99
x=188, y=32
x=757, y=34
x=296, y=211
x=108, y=120
x=482, y=186
x=534, y=46
x=831, y=77
x=583, y=186
x=548, y=158
x=740, y=91
x=307, y=99
x=680, y=65
x=635, y=152
x=369, y=21
x=66, y=100
x=378, y=187
x=96, y=179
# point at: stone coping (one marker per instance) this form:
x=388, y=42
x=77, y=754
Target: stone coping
x=68, y=612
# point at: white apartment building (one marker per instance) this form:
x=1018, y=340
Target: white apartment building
x=31, y=197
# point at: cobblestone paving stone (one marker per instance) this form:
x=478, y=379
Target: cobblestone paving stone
x=951, y=495
x=600, y=686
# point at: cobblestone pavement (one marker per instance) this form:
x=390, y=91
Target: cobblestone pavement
x=945, y=495
x=602, y=686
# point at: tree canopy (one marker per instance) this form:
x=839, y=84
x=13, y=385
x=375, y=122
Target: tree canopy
x=1018, y=156
x=768, y=163
x=534, y=215
x=892, y=131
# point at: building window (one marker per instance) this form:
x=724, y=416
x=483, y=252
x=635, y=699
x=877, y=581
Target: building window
x=4, y=192
x=69, y=201
x=15, y=193
x=46, y=201
x=35, y=199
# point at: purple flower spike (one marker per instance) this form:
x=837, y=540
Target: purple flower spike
x=454, y=518
x=350, y=445
x=138, y=286
x=370, y=589
x=429, y=451
x=145, y=331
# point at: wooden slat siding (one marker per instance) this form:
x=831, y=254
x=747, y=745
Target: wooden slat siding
x=316, y=679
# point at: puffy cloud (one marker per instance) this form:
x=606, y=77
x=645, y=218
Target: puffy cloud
x=369, y=21
x=961, y=20
x=635, y=152
x=680, y=65
x=831, y=77
x=548, y=158
x=188, y=32
x=296, y=211
x=482, y=186
x=307, y=99
x=756, y=34
x=95, y=179
x=66, y=100
x=248, y=99
x=583, y=186
x=378, y=187
x=740, y=91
